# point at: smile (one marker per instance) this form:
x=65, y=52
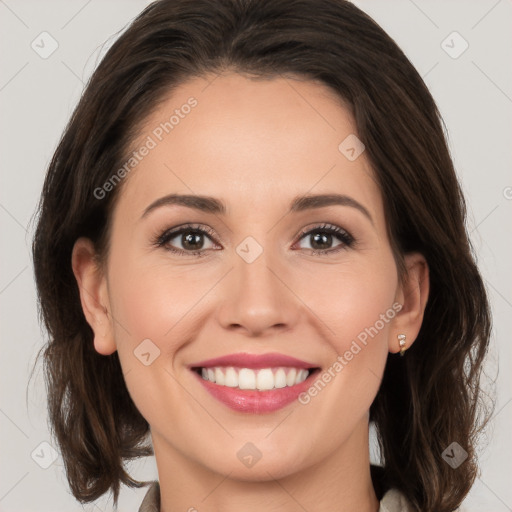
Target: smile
x=255, y=383
x=262, y=380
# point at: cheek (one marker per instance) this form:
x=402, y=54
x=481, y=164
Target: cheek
x=154, y=318
x=152, y=302
x=363, y=311
x=153, y=312
x=355, y=306
x=354, y=298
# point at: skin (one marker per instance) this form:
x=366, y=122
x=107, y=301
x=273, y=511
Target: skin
x=255, y=145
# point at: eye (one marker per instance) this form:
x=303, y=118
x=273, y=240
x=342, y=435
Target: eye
x=321, y=238
x=188, y=239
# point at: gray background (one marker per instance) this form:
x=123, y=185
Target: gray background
x=474, y=94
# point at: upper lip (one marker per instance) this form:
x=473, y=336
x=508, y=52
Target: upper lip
x=255, y=361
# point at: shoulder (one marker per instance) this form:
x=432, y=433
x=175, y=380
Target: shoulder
x=391, y=499
x=394, y=501
x=151, y=501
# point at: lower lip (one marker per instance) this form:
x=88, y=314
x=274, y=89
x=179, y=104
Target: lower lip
x=253, y=401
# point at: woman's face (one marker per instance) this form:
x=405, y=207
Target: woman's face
x=275, y=275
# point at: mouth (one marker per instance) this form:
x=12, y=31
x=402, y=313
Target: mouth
x=255, y=383
x=263, y=379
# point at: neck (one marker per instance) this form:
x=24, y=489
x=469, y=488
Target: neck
x=339, y=482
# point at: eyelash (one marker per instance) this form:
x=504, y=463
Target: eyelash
x=344, y=236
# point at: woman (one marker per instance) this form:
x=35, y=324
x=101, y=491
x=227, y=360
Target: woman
x=251, y=214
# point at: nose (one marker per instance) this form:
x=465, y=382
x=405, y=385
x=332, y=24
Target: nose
x=257, y=300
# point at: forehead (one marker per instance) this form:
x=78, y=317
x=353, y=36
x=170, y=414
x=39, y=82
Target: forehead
x=248, y=141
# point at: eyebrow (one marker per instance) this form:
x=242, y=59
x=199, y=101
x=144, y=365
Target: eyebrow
x=210, y=204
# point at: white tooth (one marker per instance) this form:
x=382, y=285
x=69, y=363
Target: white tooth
x=231, y=379
x=219, y=377
x=280, y=378
x=301, y=376
x=290, y=378
x=246, y=379
x=265, y=379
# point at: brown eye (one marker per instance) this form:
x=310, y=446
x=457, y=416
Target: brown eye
x=326, y=239
x=192, y=241
x=187, y=240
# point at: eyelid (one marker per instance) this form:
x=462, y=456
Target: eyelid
x=324, y=225
x=188, y=227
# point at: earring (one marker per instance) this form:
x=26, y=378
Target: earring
x=401, y=341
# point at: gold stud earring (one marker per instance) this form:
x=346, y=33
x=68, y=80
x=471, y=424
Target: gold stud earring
x=401, y=341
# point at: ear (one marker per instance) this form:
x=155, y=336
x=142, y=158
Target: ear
x=413, y=296
x=93, y=289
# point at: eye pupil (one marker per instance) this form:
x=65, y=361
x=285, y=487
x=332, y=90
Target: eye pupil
x=324, y=239
x=192, y=241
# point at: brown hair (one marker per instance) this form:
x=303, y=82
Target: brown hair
x=429, y=398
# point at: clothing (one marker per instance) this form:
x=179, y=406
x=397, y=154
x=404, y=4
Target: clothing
x=392, y=501
x=151, y=501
